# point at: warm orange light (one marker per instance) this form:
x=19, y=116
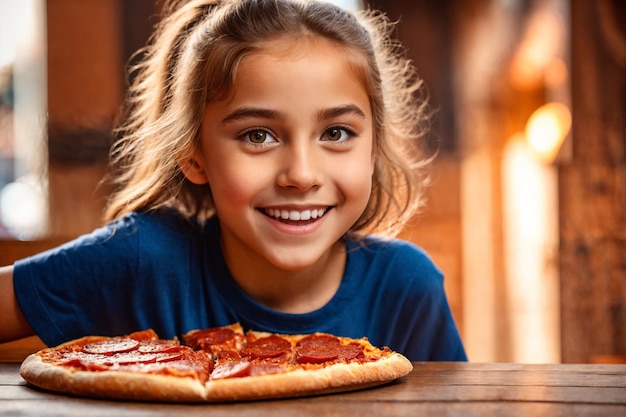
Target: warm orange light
x=547, y=128
x=542, y=43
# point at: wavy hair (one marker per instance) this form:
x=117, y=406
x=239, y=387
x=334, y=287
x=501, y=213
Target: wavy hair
x=192, y=59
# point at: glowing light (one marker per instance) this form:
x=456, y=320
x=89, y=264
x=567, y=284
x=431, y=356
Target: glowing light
x=531, y=234
x=547, y=128
x=23, y=208
x=542, y=43
x=12, y=28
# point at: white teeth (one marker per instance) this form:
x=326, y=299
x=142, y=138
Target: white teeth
x=295, y=215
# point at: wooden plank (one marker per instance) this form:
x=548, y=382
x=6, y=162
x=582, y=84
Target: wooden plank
x=453, y=390
x=471, y=376
x=327, y=406
x=593, y=189
x=426, y=392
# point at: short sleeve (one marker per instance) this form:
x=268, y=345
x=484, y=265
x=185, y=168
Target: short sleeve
x=64, y=292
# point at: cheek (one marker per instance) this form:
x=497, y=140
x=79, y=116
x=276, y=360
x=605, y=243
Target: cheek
x=232, y=181
x=355, y=180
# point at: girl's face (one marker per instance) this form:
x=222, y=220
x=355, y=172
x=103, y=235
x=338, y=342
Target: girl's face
x=289, y=156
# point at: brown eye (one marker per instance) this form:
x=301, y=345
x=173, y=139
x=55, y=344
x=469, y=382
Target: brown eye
x=333, y=134
x=257, y=136
x=336, y=134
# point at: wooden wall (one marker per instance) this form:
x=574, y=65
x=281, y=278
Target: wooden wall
x=593, y=188
x=487, y=109
x=90, y=43
x=85, y=89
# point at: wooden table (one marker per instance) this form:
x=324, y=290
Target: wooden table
x=432, y=389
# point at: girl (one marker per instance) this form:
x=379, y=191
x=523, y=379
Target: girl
x=264, y=142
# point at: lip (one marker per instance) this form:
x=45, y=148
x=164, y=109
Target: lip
x=295, y=220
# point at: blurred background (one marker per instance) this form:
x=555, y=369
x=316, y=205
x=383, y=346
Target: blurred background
x=526, y=212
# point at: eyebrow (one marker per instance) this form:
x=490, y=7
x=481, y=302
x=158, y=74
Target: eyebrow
x=261, y=113
x=252, y=112
x=340, y=111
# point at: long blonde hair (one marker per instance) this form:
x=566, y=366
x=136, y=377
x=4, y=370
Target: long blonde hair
x=192, y=59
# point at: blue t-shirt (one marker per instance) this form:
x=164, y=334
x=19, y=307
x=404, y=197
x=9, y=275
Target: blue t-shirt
x=159, y=271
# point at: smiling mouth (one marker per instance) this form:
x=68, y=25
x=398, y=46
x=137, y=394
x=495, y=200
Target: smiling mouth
x=290, y=216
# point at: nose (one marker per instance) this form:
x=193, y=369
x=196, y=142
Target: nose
x=301, y=167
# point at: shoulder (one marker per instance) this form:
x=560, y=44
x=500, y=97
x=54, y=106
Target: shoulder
x=147, y=226
x=392, y=252
x=160, y=222
x=123, y=238
x=385, y=245
x=394, y=262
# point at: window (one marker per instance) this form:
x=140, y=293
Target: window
x=23, y=205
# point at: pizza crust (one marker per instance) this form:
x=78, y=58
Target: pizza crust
x=111, y=384
x=153, y=387
x=339, y=377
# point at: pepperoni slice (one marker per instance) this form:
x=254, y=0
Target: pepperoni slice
x=267, y=347
x=84, y=361
x=231, y=370
x=316, y=340
x=110, y=347
x=351, y=352
x=90, y=360
x=326, y=348
x=214, y=336
x=131, y=358
x=159, y=346
x=318, y=348
x=228, y=355
x=169, y=357
x=317, y=354
x=84, y=364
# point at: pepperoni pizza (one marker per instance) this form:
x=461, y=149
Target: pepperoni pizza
x=212, y=365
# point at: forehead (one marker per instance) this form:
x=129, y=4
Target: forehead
x=301, y=49
x=290, y=67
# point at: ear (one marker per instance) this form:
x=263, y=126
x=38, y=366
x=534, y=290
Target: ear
x=193, y=169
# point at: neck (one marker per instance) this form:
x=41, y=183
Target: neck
x=295, y=292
